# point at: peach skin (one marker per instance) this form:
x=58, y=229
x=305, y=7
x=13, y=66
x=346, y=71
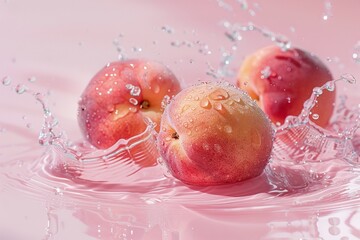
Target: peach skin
x=281, y=81
x=213, y=134
x=118, y=98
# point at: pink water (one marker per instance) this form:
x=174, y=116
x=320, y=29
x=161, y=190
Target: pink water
x=55, y=186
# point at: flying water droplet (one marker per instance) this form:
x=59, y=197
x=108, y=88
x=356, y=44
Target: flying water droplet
x=328, y=11
x=167, y=29
x=349, y=78
x=20, y=89
x=6, y=81
x=255, y=139
x=32, y=79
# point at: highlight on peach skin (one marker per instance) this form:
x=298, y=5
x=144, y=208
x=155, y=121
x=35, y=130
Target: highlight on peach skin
x=213, y=134
x=118, y=98
x=282, y=80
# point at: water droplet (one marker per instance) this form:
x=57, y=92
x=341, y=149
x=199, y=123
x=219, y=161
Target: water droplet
x=334, y=221
x=134, y=90
x=205, y=103
x=315, y=116
x=155, y=88
x=330, y=86
x=32, y=79
x=228, y=129
x=317, y=91
x=328, y=12
x=218, y=106
x=255, y=139
x=6, y=81
x=334, y=230
x=217, y=148
x=349, y=78
x=121, y=111
x=137, y=49
x=58, y=191
x=265, y=73
x=219, y=94
x=20, y=89
x=167, y=29
x=185, y=108
x=133, y=101
x=165, y=101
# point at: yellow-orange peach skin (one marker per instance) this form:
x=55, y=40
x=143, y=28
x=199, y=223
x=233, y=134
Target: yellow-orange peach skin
x=281, y=81
x=214, y=134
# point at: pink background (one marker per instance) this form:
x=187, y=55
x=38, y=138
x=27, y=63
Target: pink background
x=64, y=43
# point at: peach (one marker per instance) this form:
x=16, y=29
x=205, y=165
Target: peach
x=118, y=98
x=213, y=134
x=281, y=81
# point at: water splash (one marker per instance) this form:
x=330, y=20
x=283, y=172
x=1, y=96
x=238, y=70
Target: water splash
x=234, y=33
x=302, y=150
x=327, y=10
x=356, y=53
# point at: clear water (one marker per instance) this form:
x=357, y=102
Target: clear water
x=56, y=187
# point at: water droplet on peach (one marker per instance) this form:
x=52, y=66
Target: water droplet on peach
x=255, y=139
x=121, y=111
x=185, y=108
x=219, y=94
x=205, y=103
x=218, y=106
x=228, y=129
x=155, y=88
x=133, y=109
x=217, y=148
x=110, y=108
x=238, y=99
x=315, y=116
x=206, y=146
x=133, y=101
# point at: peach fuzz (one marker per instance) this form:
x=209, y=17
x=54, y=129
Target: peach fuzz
x=118, y=98
x=214, y=134
x=281, y=81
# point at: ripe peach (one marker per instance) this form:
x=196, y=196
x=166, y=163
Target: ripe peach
x=213, y=134
x=281, y=81
x=119, y=96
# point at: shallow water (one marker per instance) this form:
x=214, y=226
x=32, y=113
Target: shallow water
x=55, y=186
